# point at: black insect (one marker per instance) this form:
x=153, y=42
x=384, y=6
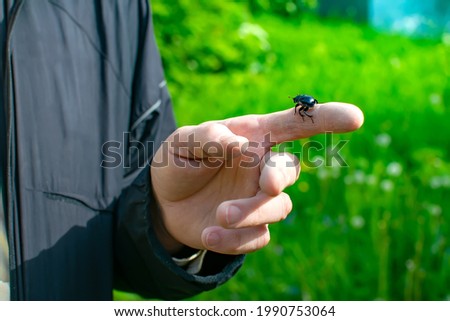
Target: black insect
x=304, y=102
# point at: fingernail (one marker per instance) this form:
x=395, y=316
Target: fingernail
x=212, y=239
x=233, y=215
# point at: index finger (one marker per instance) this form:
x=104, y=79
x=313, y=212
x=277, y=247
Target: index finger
x=328, y=117
x=286, y=126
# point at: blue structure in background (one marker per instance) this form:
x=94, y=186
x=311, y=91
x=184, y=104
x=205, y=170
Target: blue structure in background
x=421, y=18
x=417, y=18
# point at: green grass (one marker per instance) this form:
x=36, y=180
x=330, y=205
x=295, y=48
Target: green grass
x=379, y=228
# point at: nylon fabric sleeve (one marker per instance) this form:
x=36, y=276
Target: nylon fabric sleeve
x=142, y=265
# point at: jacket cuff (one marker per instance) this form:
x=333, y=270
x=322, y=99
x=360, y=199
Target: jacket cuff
x=192, y=264
x=144, y=266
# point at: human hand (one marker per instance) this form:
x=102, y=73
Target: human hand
x=218, y=185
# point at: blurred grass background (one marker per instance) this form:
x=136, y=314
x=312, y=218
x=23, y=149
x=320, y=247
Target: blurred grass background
x=377, y=229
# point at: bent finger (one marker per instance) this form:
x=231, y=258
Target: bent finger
x=254, y=211
x=235, y=241
x=278, y=171
x=207, y=140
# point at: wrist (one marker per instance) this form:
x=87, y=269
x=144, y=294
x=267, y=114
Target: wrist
x=170, y=244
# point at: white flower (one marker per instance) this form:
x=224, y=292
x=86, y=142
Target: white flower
x=383, y=140
x=435, y=99
x=440, y=181
x=433, y=209
x=357, y=222
x=387, y=185
x=410, y=265
x=322, y=173
x=445, y=180
x=251, y=29
x=359, y=177
x=394, y=169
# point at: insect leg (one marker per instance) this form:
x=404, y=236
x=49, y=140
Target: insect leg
x=309, y=115
x=302, y=108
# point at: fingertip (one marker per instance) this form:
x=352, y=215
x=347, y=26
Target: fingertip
x=359, y=119
x=355, y=117
x=279, y=171
x=341, y=117
x=271, y=182
x=211, y=238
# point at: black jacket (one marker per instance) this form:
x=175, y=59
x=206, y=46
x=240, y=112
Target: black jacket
x=84, y=98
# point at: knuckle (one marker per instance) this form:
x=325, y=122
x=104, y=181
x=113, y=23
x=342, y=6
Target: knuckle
x=221, y=214
x=247, y=244
x=264, y=240
x=297, y=167
x=239, y=244
x=286, y=205
x=208, y=129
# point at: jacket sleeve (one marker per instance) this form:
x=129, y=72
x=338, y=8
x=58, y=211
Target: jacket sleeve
x=141, y=263
x=144, y=267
